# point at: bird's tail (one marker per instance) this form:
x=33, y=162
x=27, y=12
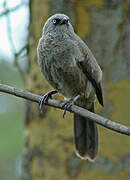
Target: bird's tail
x=86, y=137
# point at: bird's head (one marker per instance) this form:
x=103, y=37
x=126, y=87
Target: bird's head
x=57, y=22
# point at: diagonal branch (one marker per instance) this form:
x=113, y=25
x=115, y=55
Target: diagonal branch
x=75, y=109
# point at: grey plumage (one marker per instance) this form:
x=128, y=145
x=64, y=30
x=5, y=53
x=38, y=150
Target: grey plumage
x=70, y=67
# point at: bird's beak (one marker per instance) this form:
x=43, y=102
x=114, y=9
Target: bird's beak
x=63, y=21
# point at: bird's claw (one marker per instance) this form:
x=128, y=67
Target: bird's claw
x=66, y=106
x=45, y=98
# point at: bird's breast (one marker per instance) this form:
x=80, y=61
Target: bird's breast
x=61, y=70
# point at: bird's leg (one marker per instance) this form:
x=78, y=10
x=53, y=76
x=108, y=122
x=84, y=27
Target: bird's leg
x=45, y=98
x=68, y=104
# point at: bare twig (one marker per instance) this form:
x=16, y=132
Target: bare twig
x=15, y=8
x=7, y=10
x=75, y=109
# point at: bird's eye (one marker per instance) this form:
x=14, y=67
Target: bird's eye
x=54, y=21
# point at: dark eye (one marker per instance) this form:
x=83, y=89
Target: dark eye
x=56, y=21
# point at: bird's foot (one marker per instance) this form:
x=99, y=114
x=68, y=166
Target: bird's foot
x=45, y=98
x=68, y=104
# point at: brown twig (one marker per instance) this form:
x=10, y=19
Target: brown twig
x=75, y=109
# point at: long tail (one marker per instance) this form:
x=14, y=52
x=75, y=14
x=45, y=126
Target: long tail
x=86, y=137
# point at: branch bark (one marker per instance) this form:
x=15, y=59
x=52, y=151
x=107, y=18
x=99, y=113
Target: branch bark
x=75, y=109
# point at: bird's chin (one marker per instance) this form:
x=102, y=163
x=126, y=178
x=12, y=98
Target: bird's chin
x=63, y=27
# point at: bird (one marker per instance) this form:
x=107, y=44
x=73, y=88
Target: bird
x=71, y=69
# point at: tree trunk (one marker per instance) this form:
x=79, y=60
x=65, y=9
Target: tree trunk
x=49, y=147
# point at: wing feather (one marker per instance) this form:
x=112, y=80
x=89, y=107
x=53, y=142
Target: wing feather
x=96, y=85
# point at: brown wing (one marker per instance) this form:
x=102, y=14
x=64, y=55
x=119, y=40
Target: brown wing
x=87, y=62
x=87, y=70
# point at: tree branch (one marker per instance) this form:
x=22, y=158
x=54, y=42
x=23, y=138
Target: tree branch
x=75, y=109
